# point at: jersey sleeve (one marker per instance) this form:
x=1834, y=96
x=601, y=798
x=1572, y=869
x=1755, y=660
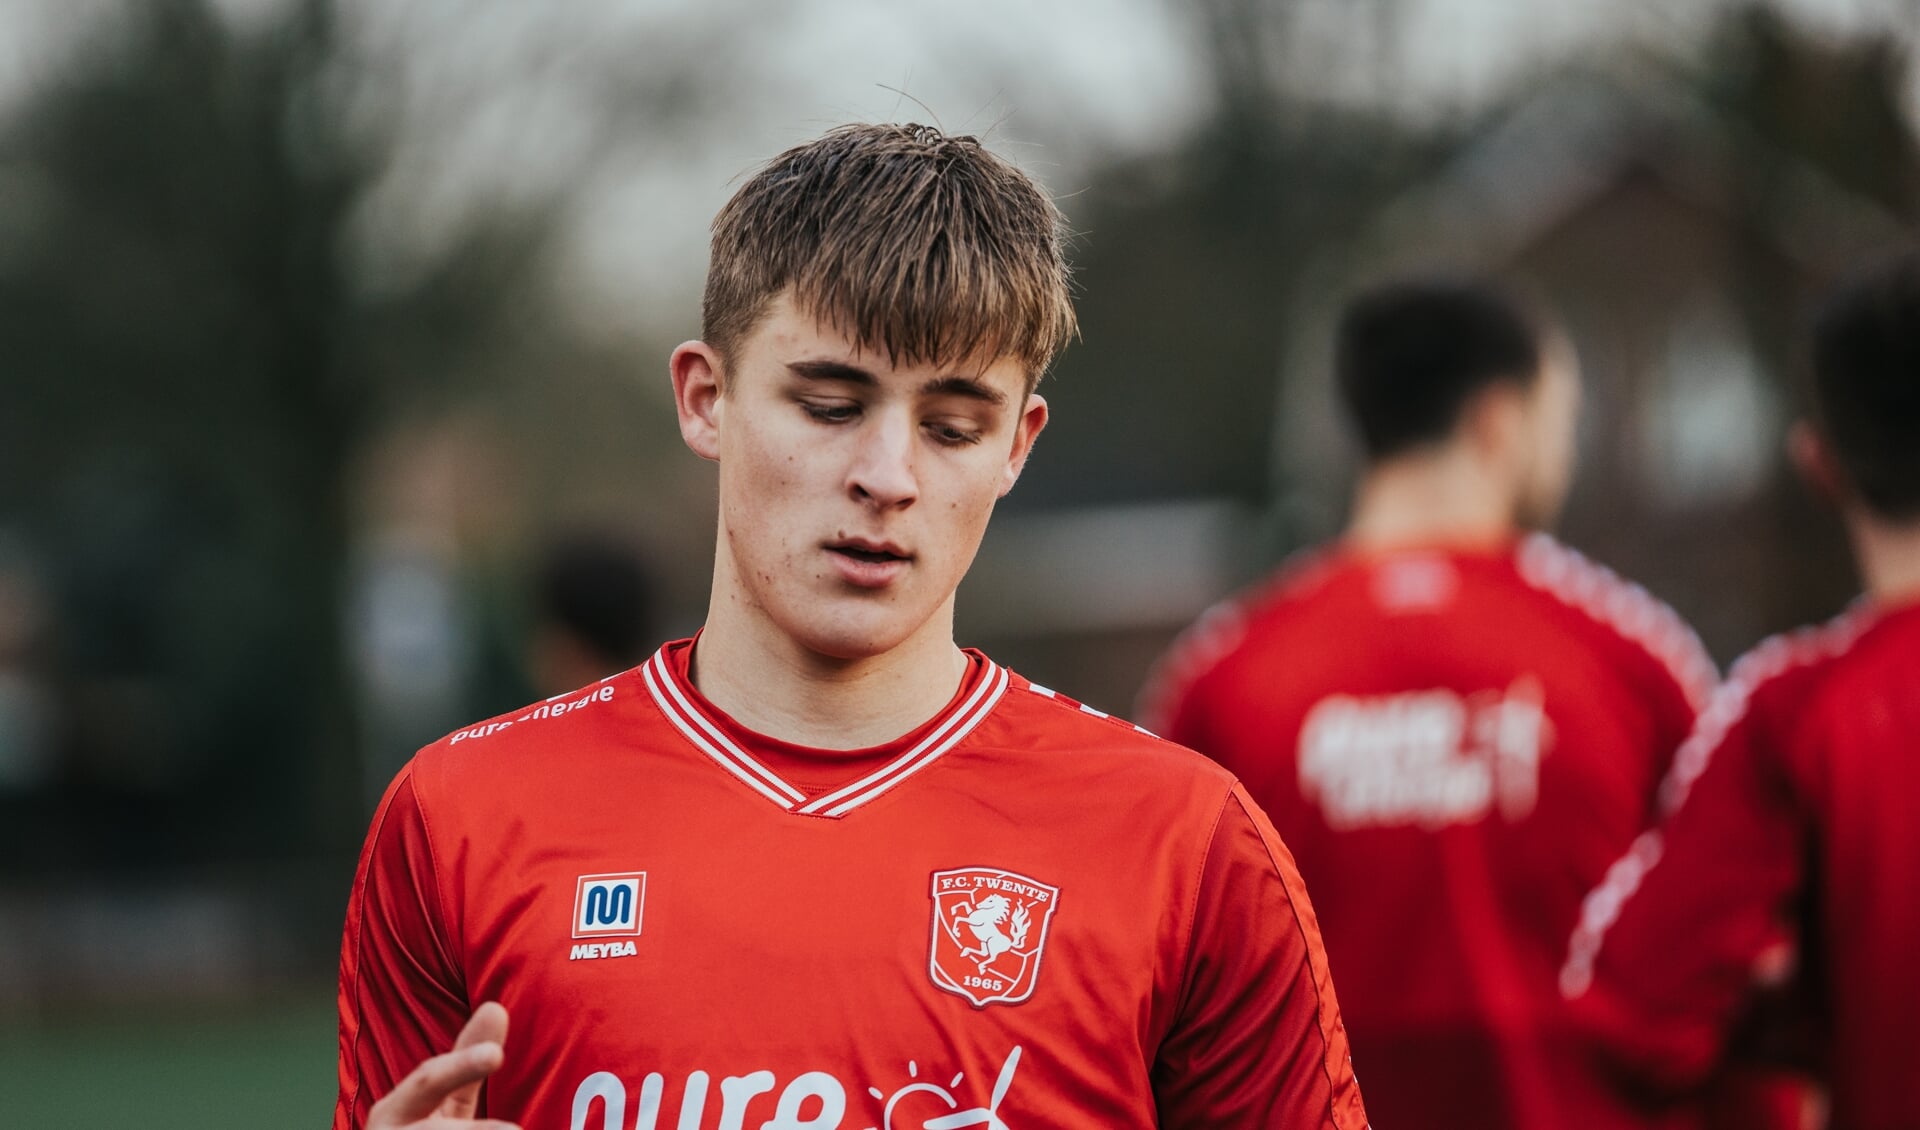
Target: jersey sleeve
x=1672, y=946
x=1177, y=714
x=1674, y=710
x=1668, y=673
x=1258, y=1041
x=401, y=995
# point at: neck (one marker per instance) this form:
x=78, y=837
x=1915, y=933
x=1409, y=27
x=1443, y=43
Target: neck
x=775, y=685
x=1888, y=554
x=1442, y=497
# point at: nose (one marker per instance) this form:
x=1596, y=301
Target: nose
x=882, y=474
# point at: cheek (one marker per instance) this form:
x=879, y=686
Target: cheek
x=769, y=468
x=761, y=494
x=968, y=509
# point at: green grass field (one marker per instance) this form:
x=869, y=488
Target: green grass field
x=267, y=1068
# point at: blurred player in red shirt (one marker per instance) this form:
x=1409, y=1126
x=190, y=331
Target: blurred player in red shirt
x=818, y=867
x=1456, y=724
x=1792, y=814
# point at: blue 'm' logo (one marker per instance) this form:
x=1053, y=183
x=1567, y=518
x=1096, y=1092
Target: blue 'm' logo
x=608, y=905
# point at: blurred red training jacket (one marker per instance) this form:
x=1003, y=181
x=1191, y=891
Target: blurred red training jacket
x=1456, y=745
x=1791, y=823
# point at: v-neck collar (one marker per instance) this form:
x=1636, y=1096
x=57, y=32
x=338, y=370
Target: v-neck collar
x=733, y=746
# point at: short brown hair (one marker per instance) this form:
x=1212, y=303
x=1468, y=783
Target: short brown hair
x=906, y=239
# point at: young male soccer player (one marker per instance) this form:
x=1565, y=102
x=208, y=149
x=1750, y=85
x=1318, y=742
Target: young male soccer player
x=819, y=867
x=1790, y=813
x=1456, y=724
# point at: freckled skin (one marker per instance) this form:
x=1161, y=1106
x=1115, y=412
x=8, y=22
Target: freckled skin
x=807, y=463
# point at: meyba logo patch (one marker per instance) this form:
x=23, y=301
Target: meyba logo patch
x=606, y=910
x=989, y=933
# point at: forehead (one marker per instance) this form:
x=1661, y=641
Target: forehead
x=788, y=334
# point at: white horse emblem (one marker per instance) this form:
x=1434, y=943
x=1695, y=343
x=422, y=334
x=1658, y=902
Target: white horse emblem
x=989, y=929
x=984, y=923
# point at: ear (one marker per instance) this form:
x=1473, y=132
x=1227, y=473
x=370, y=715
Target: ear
x=1033, y=418
x=697, y=372
x=1810, y=455
x=1494, y=422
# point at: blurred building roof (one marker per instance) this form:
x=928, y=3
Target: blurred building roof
x=1570, y=140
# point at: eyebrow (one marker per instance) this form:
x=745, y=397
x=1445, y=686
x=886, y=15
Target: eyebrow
x=969, y=387
x=832, y=371
x=952, y=385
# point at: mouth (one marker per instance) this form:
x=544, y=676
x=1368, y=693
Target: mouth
x=875, y=553
x=869, y=564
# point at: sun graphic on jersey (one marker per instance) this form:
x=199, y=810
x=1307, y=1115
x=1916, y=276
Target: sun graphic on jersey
x=984, y=1116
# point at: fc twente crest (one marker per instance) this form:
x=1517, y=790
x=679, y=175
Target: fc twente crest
x=989, y=929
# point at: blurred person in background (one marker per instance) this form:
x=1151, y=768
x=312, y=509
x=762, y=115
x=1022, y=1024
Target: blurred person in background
x=1455, y=722
x=1790, y=814
x=593, y=612
x=851, y=843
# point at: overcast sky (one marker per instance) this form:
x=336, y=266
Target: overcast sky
x=668, y=101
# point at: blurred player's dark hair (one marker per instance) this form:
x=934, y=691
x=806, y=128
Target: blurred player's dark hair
x=595, y=590
x=1866, y=383
x=1410, y=354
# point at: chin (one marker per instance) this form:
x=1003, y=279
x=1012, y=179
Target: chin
x=853, y=634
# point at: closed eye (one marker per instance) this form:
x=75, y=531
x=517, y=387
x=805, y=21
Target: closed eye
x=830, y=413
x=951, y=435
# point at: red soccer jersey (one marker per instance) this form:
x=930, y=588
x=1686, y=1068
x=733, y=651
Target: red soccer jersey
x=1790, y=822
x=1455, y=745
x=1024, y=913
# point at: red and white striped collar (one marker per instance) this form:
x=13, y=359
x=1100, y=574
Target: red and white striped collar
x=726, y=742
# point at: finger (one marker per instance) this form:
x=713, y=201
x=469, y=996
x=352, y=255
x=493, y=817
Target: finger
x=488, y=1024
x=421, y=1093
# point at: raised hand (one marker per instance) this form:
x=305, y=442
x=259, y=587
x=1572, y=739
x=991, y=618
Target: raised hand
x=444, y=1092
